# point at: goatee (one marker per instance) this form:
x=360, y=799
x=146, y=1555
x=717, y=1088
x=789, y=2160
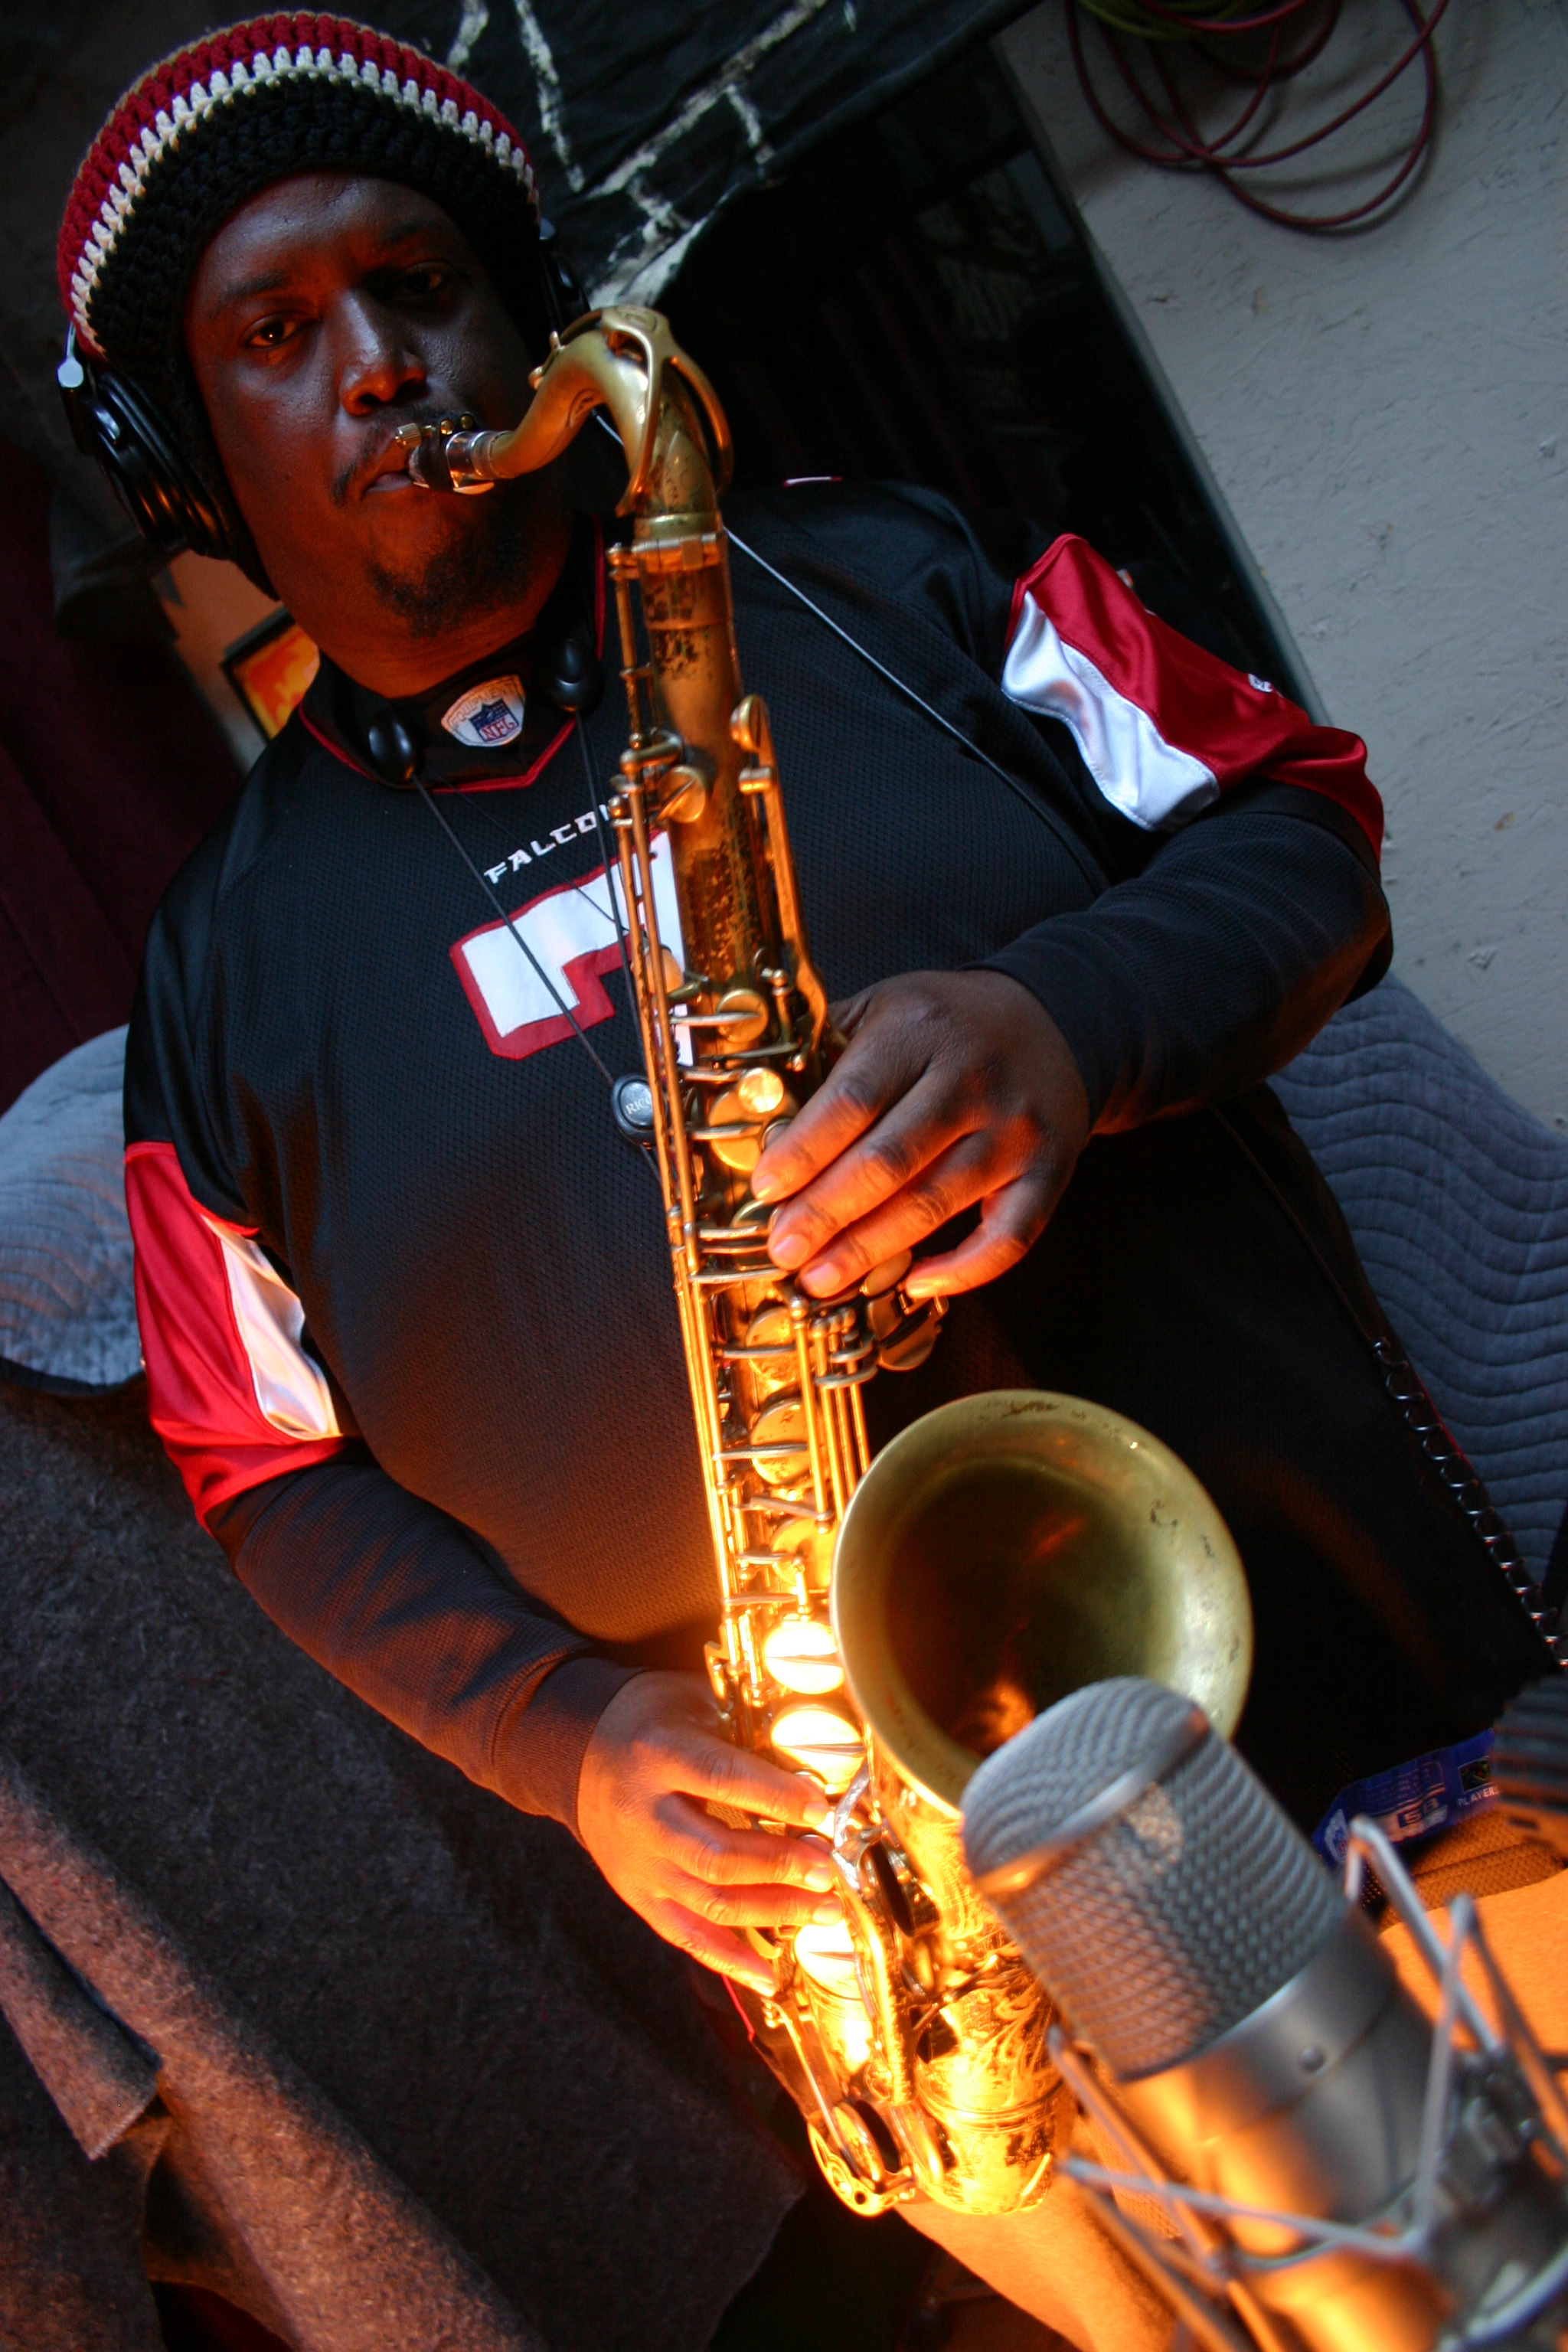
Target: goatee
x=481, y=571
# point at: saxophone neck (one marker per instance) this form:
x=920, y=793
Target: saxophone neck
x=663, y=408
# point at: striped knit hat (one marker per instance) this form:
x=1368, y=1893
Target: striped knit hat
x=213, y=125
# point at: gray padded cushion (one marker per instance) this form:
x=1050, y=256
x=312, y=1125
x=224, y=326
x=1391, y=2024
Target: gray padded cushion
x=1458, y=1203
x=67, y=1313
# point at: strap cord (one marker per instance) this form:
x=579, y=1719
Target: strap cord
x=488, y=886
x=1020, y=791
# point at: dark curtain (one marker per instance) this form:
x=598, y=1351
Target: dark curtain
x=111, y=771
x=643, y=118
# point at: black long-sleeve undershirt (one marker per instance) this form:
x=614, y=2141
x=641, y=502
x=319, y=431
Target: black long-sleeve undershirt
x=399, y=1602
x=1218, y=962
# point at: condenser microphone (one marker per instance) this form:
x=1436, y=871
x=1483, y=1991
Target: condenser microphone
x=1254, y=2032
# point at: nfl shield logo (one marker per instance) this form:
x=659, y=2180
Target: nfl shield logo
x=488, y=715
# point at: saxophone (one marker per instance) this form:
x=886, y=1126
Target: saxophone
x=913, y=2037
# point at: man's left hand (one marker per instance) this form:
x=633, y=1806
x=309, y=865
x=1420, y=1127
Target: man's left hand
x=954, y=1088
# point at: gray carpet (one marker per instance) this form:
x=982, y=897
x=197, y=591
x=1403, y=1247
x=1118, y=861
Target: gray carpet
x=420, y=2076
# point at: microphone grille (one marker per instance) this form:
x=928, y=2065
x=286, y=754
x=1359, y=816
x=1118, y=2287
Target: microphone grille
x=1167, y=1927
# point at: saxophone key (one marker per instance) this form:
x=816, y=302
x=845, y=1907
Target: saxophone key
x=821, y=1741
x=802, y=1656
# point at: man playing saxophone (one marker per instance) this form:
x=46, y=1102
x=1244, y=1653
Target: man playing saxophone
x=402, y=1279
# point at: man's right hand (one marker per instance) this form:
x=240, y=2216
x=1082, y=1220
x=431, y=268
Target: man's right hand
x=656, y=1756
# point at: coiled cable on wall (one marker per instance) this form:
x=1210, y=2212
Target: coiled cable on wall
x=1247, y=48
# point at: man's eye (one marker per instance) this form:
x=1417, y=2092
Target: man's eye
x=269, y=333
x=424, y=284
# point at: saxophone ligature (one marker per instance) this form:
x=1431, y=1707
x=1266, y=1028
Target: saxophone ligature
x=911, y=2035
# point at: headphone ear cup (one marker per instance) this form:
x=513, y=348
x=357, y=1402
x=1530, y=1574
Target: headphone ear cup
x=179, y=498
x=155, y=483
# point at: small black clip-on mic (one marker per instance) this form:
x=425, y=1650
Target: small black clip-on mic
x=391, y=746
x=575, y=677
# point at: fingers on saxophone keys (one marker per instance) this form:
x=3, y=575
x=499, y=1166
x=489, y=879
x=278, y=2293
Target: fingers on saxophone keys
x=820, y=1134
x=1012, y=1222
x=900, y=1174
x=720, y=1856
x=863, y=1174
x=729, y=1776
x=713, y=1948
x=757, y=1905
x=951, y=1182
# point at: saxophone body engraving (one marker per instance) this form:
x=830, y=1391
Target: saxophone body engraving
x=912, y=2038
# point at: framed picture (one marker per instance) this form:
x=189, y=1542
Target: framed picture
x=269, y=668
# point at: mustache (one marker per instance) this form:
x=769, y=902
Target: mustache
x=362, y=469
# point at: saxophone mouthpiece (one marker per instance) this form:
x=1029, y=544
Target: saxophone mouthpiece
x=450, y=456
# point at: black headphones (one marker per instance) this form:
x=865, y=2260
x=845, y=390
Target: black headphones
x=158, y=487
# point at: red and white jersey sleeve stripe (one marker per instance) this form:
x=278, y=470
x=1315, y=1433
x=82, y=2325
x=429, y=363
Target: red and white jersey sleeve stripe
x=1164, y=728
x=233, y=1393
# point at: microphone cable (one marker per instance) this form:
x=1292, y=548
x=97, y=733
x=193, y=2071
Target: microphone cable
x=1156, y=31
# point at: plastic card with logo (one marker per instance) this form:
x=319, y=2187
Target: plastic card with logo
x=1410, y=1800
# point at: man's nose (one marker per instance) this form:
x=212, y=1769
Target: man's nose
x=377, y=363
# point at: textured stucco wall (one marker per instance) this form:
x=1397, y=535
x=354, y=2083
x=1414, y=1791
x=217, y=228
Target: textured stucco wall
x=1386, y=418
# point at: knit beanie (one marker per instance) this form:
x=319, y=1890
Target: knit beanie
x=213, y=125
